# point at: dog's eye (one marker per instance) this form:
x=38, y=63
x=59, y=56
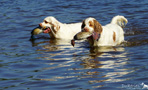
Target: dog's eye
x=45, y=21
x=90, y=24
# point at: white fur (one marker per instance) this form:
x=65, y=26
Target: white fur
x=66, y=31
x=87, y=27
x=106, y=36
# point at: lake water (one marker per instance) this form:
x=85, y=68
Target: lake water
x=47, y=64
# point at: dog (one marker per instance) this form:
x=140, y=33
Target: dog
x=57, y=29
x=111, y=34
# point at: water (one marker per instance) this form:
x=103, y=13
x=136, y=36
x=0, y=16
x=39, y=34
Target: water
x=47, y=64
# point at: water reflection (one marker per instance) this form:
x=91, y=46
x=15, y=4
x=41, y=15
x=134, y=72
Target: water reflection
x=51, y=41
x=95, y=65
x=109, y=61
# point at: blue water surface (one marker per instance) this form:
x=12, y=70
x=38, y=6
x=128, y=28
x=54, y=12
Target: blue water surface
x=47, y=64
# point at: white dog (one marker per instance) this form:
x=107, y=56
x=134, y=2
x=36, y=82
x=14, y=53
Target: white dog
x=109, y=35
x=57, y=29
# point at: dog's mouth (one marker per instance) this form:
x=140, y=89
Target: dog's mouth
x=47, y=30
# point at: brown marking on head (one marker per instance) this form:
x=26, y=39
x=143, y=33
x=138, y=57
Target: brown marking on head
x=91, y=24
x=97, y=26
x=55, y=26
x=114, y=36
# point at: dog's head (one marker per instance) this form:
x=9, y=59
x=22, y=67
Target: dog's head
x=91, y=30
x=50, y=25
x=91, y=25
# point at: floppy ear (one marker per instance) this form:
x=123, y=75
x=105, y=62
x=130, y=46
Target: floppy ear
x=97, y=27
x=56, y=26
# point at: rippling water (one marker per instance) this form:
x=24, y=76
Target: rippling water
x=54, y=64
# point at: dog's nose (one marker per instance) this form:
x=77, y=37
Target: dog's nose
x=85, y=29
x=40, y=24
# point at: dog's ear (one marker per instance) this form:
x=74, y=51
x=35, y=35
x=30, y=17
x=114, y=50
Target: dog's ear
x=97, y=26
x=56, y=26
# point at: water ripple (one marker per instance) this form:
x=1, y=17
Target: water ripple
x=54, y=64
